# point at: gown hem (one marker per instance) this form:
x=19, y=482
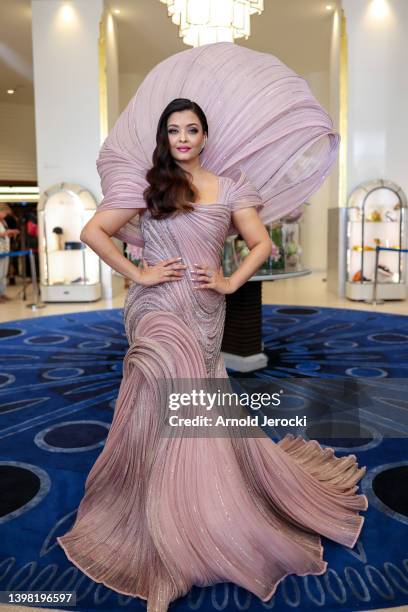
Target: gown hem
x=63, y=546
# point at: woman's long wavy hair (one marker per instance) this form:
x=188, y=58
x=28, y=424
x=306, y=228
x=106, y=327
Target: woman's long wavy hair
x=169, y=188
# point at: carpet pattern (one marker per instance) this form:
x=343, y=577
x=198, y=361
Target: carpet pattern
x=59, y=377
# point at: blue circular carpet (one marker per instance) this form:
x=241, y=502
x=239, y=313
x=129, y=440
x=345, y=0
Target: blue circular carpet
x=59, y=377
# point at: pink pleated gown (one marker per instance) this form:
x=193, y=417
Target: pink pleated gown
x=161, y=514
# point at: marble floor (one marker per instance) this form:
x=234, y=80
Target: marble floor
x=308, y=290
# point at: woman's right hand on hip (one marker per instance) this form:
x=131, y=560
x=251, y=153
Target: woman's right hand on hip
x=166, y=270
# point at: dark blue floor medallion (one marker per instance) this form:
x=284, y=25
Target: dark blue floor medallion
x=59, y=378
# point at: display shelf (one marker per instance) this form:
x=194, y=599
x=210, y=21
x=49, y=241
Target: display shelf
x=376, y=217
x=69, y=269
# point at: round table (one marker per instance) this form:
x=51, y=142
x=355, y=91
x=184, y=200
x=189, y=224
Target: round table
x=242, y=346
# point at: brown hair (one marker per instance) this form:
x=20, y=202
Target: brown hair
x=169, y=188
x=5, y=208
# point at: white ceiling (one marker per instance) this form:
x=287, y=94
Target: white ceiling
x=297, y=31
x=16, y=58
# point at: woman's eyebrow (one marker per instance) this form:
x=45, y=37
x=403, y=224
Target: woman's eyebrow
x=188, y=125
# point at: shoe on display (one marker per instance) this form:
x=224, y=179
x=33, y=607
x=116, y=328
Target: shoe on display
x=358, y=277
x=390, y=217
x=384, y=270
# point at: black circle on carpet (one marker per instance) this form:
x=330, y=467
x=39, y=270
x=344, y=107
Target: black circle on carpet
x=47, y=339
x=391, y=338
x=5, y=379
x=391, y=487
x=18, y=487
x=8, y=332
x=297, y=311
x=75, y=435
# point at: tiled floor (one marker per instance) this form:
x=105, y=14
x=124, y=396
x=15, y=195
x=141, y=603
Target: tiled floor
x=308, y=290
x=312, y=290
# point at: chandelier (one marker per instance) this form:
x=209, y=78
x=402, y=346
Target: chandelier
x=209, y=21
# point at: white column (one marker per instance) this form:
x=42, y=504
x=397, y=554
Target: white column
x=69, y=106
x=377, y=32
x=375, y=131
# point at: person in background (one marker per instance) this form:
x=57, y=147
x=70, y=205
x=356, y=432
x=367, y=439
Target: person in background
x=5, y=235
x=32, y=240
x=12, y=223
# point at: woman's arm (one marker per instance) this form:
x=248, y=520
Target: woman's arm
x=9, y=232
x=97, y=234
x=249, y=225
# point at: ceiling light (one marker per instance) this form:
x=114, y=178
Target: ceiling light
x=11, y=91
x=379, y=9
x=23, y=189
x=116, y=11
x=209, y=21
x=67, y=12
x=19, y=194
x=329, y=7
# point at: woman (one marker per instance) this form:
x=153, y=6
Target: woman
x=5, y=235
x=162, y=513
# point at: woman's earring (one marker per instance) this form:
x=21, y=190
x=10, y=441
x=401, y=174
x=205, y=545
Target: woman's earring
x=202, y=148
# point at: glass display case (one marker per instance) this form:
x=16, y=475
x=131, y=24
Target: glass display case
x=286, y=252
x=69, y=269
x=376, y=217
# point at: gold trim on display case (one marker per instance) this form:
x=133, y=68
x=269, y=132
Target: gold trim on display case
x=103, y=89
x=343, y=113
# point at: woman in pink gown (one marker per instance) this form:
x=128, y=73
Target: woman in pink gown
x=163, y=513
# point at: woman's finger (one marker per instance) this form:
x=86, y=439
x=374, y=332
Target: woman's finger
x=171, y=260
x=177, y=266
x=201, y=268
x=207, y=273
x=170, y=274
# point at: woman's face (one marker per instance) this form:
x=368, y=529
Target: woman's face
x=186, y=136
